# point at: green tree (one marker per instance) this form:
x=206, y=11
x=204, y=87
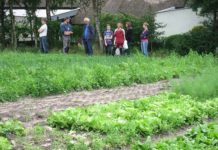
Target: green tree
x=31, y=7
x=206, y=8
x=2, y=23
x=11, y=3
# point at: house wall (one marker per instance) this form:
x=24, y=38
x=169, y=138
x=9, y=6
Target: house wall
x=178, y=21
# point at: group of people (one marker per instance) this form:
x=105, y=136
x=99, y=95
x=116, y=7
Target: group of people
x=117, y=42
x=120, y=41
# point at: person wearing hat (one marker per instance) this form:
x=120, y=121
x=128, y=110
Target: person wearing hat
x=88, y=35
x=66, y=31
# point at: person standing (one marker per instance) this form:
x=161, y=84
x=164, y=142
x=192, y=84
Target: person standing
x=129, y=36
x=66, y=31
x=144, y=39
x=108, y=40
x=119, y=37
x=88, y=35
x=43, y=31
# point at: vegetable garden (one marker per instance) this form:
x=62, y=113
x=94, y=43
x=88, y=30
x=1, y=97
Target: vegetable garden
x=191, y=101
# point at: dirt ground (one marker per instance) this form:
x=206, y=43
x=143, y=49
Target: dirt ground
x=32, y=111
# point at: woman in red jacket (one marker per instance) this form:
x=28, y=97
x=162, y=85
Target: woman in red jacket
x=119, y=37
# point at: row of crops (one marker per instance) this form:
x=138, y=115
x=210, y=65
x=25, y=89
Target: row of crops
x=123, y=124
x=34, y=75
x=7, y=129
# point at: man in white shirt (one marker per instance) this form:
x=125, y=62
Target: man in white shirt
x=43, y=31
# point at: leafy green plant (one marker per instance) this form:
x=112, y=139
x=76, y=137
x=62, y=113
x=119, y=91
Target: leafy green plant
x=202, y=137
x=126, y=121
x=25, y=74
x=11, y=127
x=5, y=144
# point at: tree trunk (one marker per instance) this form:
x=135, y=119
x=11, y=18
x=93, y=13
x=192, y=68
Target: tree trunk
x=2, y=21
x=13, y=26
x=215, y=21
x=97, y=22
x=35, y=29
x=48, y=10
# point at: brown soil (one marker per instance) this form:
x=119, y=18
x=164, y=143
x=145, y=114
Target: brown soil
x=32, y=111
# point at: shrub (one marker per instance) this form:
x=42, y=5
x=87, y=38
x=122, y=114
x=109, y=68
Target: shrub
x=200, y=39
x=178, y=43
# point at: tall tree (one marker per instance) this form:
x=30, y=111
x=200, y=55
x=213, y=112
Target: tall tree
x=97, y=7
x=206, y=8
x=31, y=7
x=48, y=9
x=11, y=3
x=2, y=23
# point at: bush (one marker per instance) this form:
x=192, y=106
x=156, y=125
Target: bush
x=178, y=43
x=200, y=39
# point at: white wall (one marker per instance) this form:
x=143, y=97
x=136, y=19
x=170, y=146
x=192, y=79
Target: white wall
x=178, y=21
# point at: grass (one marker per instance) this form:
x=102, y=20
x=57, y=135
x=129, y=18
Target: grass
x=36, y=75
x=120, y=124
x=202, y=86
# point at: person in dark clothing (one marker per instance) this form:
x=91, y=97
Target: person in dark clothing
x=129, y=36
x=88, y=35
x=66, y=31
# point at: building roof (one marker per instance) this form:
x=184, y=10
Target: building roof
x=41, y=13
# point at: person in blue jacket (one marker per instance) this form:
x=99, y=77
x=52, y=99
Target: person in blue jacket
x=88, y=35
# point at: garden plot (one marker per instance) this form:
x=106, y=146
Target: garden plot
x=122, y=123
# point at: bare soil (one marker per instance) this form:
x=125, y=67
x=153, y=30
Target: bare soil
x=33, y=111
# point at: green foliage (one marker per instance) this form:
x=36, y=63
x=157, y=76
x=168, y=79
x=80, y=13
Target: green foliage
x=39, y=75
x=200, y=39
x=137, y=23
x=207, y=6
x=11, y=127
x=123, y=122
x=203, y=86
x=199, y=138
x=54, y=34
x=178, y=43
x=5, y=144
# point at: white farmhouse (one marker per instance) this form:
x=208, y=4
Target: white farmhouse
x=178, y=20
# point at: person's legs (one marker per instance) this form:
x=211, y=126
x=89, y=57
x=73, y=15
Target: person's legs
x=107, y=49
x=146, y=48
x=85, y=46
x=65, y=44
x=110, y=50
x=89, y=46
x=142, y=48
x=68, y=44
x=45, y=44
x=41, y=45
